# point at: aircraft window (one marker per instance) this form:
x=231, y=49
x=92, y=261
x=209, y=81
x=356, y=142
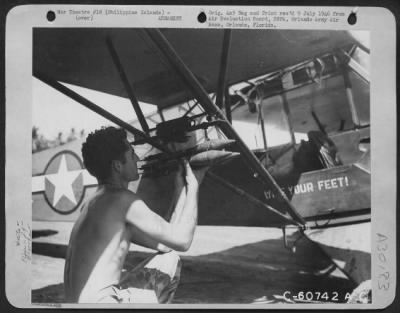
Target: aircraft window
x=170, y=113
x=320, y=105
x=360, y=63
x=313, y=107
x=300, y=76
x=277, y=129
x=248, y=125
x=359, y=77
x=361, y=57
x=360, y=89
x=326, y=64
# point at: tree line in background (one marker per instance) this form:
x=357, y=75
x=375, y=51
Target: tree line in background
x=40, y=142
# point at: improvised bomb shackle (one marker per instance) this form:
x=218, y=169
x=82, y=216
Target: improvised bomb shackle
x=214, y=144
x=204, y=154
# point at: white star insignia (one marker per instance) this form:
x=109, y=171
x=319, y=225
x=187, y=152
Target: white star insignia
x=62, y=181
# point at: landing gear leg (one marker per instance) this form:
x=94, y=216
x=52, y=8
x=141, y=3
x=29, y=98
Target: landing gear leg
x=285, y=240
x=362, y=294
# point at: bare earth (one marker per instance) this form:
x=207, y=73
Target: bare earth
x=225, y=265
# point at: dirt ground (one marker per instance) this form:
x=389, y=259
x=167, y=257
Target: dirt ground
x=225, y=265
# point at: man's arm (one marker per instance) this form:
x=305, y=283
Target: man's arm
x=176, y=207
x=177, y=236
x=179, y=196
x=141, y=239
x=150, y=224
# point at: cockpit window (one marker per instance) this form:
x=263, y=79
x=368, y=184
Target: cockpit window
x=359, y=62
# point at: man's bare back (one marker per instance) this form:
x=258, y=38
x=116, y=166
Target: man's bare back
x=98, y=245
x=114, y=217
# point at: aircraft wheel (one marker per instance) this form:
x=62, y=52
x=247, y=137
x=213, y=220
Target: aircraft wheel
x=362, y=294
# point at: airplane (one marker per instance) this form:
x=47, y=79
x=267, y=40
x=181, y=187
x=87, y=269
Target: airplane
x=288, y=108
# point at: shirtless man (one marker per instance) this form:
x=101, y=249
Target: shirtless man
x=114, y=217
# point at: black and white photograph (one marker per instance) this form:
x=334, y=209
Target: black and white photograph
x=201, y=166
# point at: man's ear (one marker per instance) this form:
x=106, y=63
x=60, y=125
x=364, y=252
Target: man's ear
x=116, y=165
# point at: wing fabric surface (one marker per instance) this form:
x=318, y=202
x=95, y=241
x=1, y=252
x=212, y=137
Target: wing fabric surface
x=79, y=56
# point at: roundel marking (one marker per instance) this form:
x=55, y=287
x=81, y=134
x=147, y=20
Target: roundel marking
x=64, y=189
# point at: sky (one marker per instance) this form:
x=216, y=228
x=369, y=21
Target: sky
x=53, y=112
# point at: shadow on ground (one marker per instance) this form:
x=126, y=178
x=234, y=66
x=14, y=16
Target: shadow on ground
x=258, y=272
x=43, y=233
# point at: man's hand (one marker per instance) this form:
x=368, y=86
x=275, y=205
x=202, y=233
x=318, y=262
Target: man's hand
x=179, y=180
x=194, y=179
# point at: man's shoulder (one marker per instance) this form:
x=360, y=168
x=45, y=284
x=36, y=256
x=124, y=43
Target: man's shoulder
x=125, y=195
x=118, y=199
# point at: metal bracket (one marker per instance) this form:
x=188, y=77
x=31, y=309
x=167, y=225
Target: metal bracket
x=292, y=248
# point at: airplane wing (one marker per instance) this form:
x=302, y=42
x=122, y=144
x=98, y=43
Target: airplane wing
x=79, y=56
x=232, y=194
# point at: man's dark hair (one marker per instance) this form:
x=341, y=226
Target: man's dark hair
x=101, y=148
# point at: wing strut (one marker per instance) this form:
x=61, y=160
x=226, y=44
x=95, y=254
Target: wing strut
x=201, y=95
x=90, y=105
x=228, y=105
x=223, y=69
x=127, y=86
